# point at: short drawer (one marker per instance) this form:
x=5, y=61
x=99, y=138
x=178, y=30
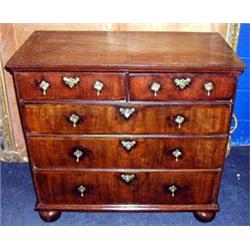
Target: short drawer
x=161, y=87
x=51, y=86
x=125, y=152
x=127, y=187
x=136, y=119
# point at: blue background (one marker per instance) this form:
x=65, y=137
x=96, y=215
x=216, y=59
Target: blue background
x=241, y=108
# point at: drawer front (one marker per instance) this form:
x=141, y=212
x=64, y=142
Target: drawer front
x=50, y=86
x=161, y=87
x=105, y=119
x=174, y=153
x=127, y=188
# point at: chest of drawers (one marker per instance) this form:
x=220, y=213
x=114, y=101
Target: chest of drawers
x=123, y=121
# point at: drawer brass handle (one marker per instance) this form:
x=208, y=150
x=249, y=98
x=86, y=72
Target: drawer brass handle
x=209, y=86
x=182, y=83
x=177, y=153
x=155, y=87
x=73, y=118
x=127, y=177
x=232, y=129
x=98, y=86
x=81, y=189
x=128, y=145
x=44, y=86
x=78, y=154
x=172, y=189
x=126, y=112
x=70, y=81
x=179, y=120
x=235, y=126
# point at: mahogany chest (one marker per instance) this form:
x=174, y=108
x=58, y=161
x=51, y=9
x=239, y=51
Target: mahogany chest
x=126, y=121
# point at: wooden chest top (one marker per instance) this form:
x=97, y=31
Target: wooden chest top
x=125, y=51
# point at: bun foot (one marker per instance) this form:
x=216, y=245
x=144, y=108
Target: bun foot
x=49, y=216
x=204, y=216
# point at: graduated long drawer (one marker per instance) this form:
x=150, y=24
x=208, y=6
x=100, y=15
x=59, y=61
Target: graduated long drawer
x=125, y=152
x=183, y=188
x=126, y=119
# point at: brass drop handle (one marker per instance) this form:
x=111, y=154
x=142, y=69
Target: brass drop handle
x=155, y=87
x=78, y=154
x=177, y=153
x=209, y=86
x=179, y=120
x=81, y=190
x=232, y=129
x=182, y=83
x=127, y=178
x=128, y=145
x=172, y=189
x=126, y=112
x=98, y=86
x=44, y=86
x=235, y=126
x=71, y=81
x=73, y=118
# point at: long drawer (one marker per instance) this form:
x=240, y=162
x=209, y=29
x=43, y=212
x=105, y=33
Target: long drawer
x=125, y=152
x=182, y=86
x=90, y=86
x=127, y=187
x=126, y=119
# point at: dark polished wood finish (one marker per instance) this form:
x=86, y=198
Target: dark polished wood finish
x=204, y=216
x=113, y=86
x=133, y=51
x=110, y=188
x=169, y=91
x=128, y=147
x=107, y=119
x=197, y=153
x=129, y=208
x=49, y=216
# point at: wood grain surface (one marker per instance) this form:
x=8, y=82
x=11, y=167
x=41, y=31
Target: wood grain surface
x=113, y=86
x=147, y=153
x=147, y=51
x=223, y=87
x=107, y=119
x=109, y=188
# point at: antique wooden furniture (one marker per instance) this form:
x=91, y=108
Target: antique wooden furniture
x=126, y=121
